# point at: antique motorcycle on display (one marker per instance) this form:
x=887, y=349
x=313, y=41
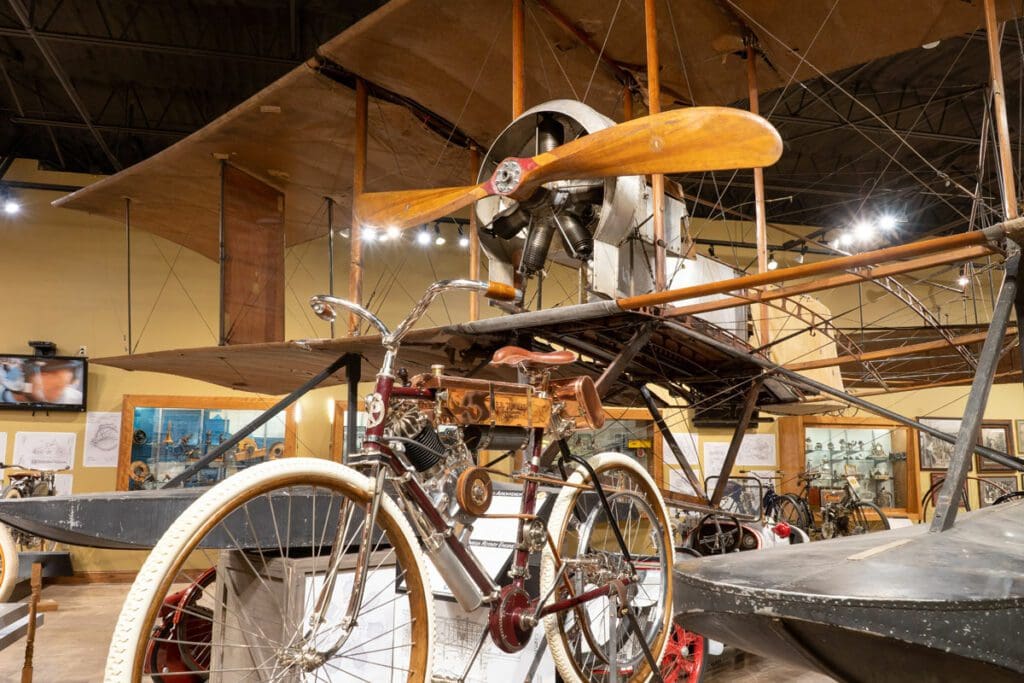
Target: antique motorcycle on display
x=358, y=535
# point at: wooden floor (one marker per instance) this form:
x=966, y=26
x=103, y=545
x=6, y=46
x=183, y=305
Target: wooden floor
x=72, y=644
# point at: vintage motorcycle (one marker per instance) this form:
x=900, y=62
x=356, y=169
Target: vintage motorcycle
x=357, y=537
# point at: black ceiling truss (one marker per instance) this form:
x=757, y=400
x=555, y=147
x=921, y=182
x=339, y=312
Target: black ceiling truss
x=144, y=72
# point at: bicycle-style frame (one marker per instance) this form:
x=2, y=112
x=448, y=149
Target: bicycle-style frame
x=511, y=620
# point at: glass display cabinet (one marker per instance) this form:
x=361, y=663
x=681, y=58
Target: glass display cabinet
x=882, y=455
x=839, y=451
x=162, y=435
x=626, y=430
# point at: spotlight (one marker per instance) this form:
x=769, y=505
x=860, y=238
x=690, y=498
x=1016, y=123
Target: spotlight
x=711, y=251
x=964, y=280
x=772, y=263
x=863, y=231
x=384, y=236
x=11, y=207
x=394, y=233
x=803, y=253
x=439, y=239
x=423, y=237
x=845, y=240
x=887, y=223
x=369, y=234
x=463, y=239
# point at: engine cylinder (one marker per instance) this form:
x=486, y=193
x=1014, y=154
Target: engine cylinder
x=507, y=227
x=575, y=237
x=425, y=450
x=538, y=242
x=550, y=134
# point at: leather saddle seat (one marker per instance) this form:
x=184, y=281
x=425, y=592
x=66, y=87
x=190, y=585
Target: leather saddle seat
x=516, y=356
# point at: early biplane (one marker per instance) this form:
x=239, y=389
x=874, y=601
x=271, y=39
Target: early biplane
x=562, y=182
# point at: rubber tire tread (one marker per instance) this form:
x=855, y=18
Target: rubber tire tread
x=794, y=501
x=864, y=504
x=8, y=563
x=559, y=512
x=130, y=626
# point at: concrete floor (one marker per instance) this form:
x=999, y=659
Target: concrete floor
x=72, y=644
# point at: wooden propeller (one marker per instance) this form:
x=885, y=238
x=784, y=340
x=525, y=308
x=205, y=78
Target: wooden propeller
x=679, y=141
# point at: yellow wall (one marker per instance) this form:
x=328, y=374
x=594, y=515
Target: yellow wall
x=64, y=280
x=64, y=276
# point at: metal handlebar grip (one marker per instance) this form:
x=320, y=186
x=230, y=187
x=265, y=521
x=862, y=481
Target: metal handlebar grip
x=499, y=291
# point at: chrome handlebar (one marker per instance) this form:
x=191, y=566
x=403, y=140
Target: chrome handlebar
x=324, y=305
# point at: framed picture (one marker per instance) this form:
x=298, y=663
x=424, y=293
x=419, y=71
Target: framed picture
x=935, y=453
x=997, y=435
x=990, y=488
x=936, y=477
x=1020, y=437
x=161, y=436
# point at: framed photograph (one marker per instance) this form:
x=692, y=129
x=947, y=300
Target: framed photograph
x=935, y=453
x=936, y=477
x=1020, y=437
x=997, y=435
x=990, y=488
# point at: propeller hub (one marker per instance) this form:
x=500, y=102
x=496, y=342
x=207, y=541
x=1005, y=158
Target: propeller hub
x=507, y=176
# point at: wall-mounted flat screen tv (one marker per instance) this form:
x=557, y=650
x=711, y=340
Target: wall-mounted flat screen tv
x=41, y=383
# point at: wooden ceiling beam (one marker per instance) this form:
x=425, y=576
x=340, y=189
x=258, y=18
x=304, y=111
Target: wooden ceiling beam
x=886, y=270
x=909, y=349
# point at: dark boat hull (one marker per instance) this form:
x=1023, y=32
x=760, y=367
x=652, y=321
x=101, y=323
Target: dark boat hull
x=903, y=605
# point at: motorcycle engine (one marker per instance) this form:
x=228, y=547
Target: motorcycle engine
x=438, y=454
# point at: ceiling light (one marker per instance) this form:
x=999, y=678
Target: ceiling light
x=964, y=280
x=423, y=237
x=11, y=207
x=463, y=239
x=887, y=223
x=845, y=239
x=772, y=263
x=369, y=234
x=863, y=231
x=394, y=233
x=711, y=251
x=803, y=253
x=439, y=239
x=932, y=45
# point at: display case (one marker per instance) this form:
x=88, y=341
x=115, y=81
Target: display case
x=625, y=430
x=839, y=451
x=163, y=435
x=880, y=454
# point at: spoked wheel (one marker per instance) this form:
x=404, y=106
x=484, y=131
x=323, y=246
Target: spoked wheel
x=684, y=657
x=790, y=511
x=8, y=563
x=864, y=518
x=277, y=607
x=593, y=641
